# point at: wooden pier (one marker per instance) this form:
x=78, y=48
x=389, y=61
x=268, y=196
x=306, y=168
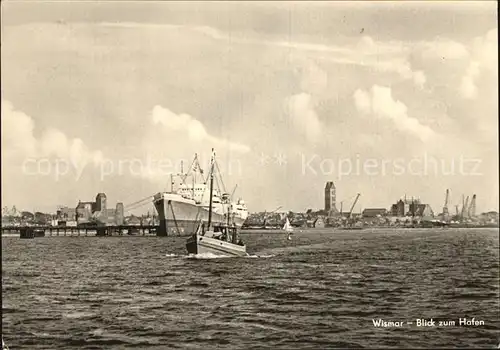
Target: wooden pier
x=99, y=231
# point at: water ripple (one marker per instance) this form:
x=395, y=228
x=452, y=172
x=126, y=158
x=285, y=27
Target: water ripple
x=320, y=290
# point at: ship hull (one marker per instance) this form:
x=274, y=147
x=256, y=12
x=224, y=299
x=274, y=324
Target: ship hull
x=182, y=217
x=198, y=244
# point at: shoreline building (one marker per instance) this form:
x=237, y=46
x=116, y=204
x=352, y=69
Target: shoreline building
x=65, y=213
x=374, y=212
x=413, y=208
x=98, y=211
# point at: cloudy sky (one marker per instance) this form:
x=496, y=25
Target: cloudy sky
x=384, y=99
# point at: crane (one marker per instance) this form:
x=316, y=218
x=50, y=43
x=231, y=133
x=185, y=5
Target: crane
x=472, y=208
x=271, y=212
x=464, y=206
x=234, y=190
x=275, y=210
x=353, y=204
x=346, y=200
x=445, y=207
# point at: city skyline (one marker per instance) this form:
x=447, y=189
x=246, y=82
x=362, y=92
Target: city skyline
x=340, y=206
x=291, y=96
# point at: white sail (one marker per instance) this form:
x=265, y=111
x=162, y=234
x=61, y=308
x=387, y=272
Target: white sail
x=287, y=227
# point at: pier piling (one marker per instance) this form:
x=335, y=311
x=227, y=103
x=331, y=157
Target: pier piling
x=40, y=231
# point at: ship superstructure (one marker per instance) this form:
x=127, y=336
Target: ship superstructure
x=181, y=209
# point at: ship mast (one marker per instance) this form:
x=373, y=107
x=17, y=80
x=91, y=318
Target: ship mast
x=211, y=188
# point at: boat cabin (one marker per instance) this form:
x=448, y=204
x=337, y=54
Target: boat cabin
x=223, y=232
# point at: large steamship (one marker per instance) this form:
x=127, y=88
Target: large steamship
x=181, y=209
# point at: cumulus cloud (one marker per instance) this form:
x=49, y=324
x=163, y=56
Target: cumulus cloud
x=485, y=50
x=18, y=140
x=402, y=67
x=302, y=115
x=173, y=140
x=17, y=131
x=484, y=57
x=457, y=64
x=362, y=64
x=56, y=143
x=379, y=103
x=468, y=85
x=193, y=129
x=419, y=78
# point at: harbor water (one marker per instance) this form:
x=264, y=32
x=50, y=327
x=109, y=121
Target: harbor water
x=323, y=289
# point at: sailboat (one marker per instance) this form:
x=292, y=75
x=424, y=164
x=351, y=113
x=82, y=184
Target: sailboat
x=288, y=228
x=217, y=239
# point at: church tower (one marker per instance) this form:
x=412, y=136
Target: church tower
x=330, y=197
